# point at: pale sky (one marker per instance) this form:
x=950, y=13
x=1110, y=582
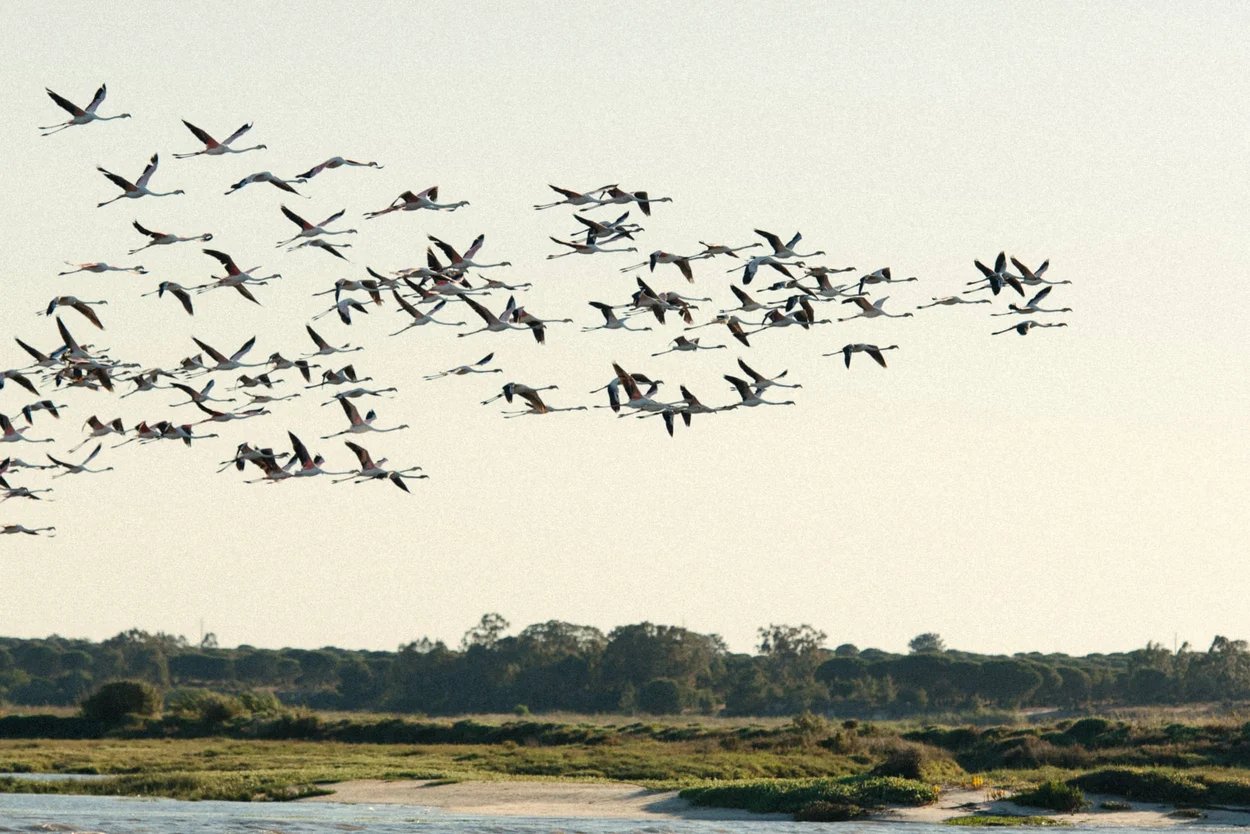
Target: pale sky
x=1080, y=489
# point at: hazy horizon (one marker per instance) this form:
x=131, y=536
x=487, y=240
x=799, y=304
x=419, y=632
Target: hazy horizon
x=1077, y=490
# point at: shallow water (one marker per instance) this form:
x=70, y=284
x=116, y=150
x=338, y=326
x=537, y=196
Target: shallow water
x=124, y=815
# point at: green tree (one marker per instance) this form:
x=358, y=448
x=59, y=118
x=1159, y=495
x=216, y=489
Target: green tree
x=791, y=655
x=661, y=696
x=258, y=667
x=486, y=633
x=928, y=643
x=642, y=652
x=1008, y=683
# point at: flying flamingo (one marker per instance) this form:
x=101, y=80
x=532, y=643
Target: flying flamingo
x=324, y=348
x=201, y=396
x=684, y=344
x=752, y=266
x=164, y=238
x=30, y=531
x=785, y=250
x=214, y=148
x=184, y=432
x=344, y=307
x=1031, y=277
x=711, y=250
x=872, y=350
x=682, y=262
x=998, y=276
x=229, y=363
x=747, y=303
x=100, y=266
x=12, y=435
x=177, y=291
x=535, y=405
x=419, y=318
x=576, y=198
x=463, y=262
x=353, y=393
x=616, y=196
x=340, y=377
x=687, y=408
x=732, y=322
x=234, y=276
x=760, y=382
x=335, y=162
x=42, y=360
x=78, y=304
x=611, y=230
x=272, y=179
x=215, y=416
x=475, y=368
x=750, y=399
x=79, y=468
x=949, y=300
x=1031, y=305
x=514, y=389
x=80, y=116
x=28, y=411
x=20, y=378
x=307, y=229
x=637, y=399
x=882, y=276
x=537, y=326
x=309, y=466
x=371, y=471
x=20, y=492
x=590, y=247
x=804, y=317
x=325, y=246
x=408, y=201
x=281, y=363
x=871, y=310
x=139, y=188
x=357, y=424
x=494, y=323
x=611, y=322
x=1024, y=327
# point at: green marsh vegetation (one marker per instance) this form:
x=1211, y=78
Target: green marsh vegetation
x=1006, y=821
x=849, y=766
x=655, y=705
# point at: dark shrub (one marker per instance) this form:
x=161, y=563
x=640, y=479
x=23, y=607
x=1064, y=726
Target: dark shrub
x=1055, y=795
x=115, y=702
x=203, y=706
x=821, y=811
x=661, y=696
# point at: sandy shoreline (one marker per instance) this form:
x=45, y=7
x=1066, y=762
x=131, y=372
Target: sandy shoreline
x=604, y=800
x=617, y=800
x=957, y=803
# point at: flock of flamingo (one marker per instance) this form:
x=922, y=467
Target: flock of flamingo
x=448, y=276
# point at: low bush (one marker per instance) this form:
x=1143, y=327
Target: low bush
x=917, y=761
x=203, y=706
x=1055, y=795
x=791, y=795
x=1170, y=786
x=1005, y=821
x=821, y=811
x=118, y=701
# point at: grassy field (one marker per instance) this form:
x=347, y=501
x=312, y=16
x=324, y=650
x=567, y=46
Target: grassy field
x=722, y=761
x=242, y=770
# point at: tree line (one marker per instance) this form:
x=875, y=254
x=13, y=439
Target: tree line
x=638, y=668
